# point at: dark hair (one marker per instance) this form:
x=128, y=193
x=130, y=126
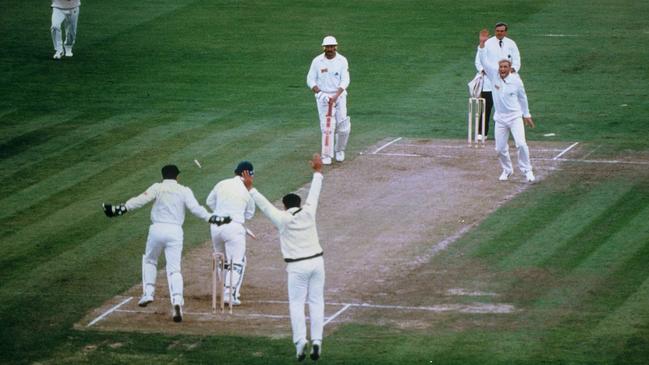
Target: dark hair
x=244, y=166
x=291, y=201
x=501, y=24
x=170, y=172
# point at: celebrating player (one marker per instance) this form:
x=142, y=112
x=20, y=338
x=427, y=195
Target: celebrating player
x=303, y=254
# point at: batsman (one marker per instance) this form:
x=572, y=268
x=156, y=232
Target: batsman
x=328, y=78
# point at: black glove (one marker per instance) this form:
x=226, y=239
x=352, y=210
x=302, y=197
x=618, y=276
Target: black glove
x=114, y=210
x=215, y=219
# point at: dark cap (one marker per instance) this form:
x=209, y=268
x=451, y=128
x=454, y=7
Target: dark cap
x=244, y=166
x=291, y=200
x=170, y=172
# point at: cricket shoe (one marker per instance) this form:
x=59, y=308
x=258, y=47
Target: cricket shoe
x=58, y=55
x=529, y=176
x=316, y=350
x=300, y=350
x=505, y=175
x=326, y=160
x=235, y=300
x=479, y=139
x=178, y=313
x=68, y=51
x=340, y=156
x=145, y=300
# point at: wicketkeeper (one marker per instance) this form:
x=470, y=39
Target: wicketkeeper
x=328, y=78
x=165, y=233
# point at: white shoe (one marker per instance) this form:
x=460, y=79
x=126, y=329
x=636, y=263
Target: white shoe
x=326, y=160
x=479, y=138
x=505, y=175
x=340, y=156
x=316, y=350
x=58, y=55
x=300, y=350
x=529, y=176
x=68, y=51
x=178, y=313
x=145, y=300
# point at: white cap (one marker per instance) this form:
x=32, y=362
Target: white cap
x=329, y=41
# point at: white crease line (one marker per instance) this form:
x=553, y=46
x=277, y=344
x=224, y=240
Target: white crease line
x=399, y=154
x=109, y=311
x=336, y=314
x=463, y=147
x=566, y=150
x=465, y=308
x=204, y=314
x=385, y=145
x=615, y=162
x=591, y=152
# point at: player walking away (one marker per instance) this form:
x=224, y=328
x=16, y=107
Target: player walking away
x=328, y=78
x=302, y=253
x=500, y=47
x=512, y=111
x=232, y=205
x=64, y=12
x=165, y=233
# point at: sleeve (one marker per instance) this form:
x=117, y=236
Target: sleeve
x=478, y=64
x=344, y=77
x=522, y=99
x=142, y=199
x=314, y=193
x=250, y=209
x=311, y=77
x=490, y=71
x=516, y=57
x=211, y=199
x=196, y=209
x=275, y=215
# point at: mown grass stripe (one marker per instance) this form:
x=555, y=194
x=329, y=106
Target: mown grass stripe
x=560, y=229
x=17, y=134
x=72, y=145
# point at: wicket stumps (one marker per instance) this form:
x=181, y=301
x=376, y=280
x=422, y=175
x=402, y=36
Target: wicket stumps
x=476, y=115
x=218, y=281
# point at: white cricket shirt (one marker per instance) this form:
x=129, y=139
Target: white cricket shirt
x=298, y=235
x=230, y=198
x=328, y=74
x=171, y=199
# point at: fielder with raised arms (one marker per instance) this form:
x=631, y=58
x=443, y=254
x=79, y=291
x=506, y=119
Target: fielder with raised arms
x=328, y=78
x=302, y=253
x=165, y=233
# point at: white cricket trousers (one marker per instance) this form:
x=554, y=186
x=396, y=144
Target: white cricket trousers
x=340, y=123
x=230, y=239
x=167, y=237
x=70, y=16
x=517, y=129
x=306, y=283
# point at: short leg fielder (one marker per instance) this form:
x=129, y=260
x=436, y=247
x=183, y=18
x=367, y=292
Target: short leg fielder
x=340, y=124
x=502, y=147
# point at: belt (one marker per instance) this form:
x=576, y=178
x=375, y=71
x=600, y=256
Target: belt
x=219, y=221
x=304, y=258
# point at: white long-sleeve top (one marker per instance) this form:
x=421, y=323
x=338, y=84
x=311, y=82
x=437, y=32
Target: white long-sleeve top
x=329, y=74
x=66, y=4
x=298, y=235
x=508, y=51
x=230, y=198
x=171, y=199
x=510, y=99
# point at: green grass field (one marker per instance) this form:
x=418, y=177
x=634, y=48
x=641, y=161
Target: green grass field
x=153, y=82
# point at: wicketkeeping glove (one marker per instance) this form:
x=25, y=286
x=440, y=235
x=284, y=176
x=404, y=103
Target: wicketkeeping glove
x=114, y=210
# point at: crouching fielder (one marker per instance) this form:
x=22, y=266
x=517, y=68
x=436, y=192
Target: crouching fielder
x=165, y=233
x=328, y=78
x=303, y=254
